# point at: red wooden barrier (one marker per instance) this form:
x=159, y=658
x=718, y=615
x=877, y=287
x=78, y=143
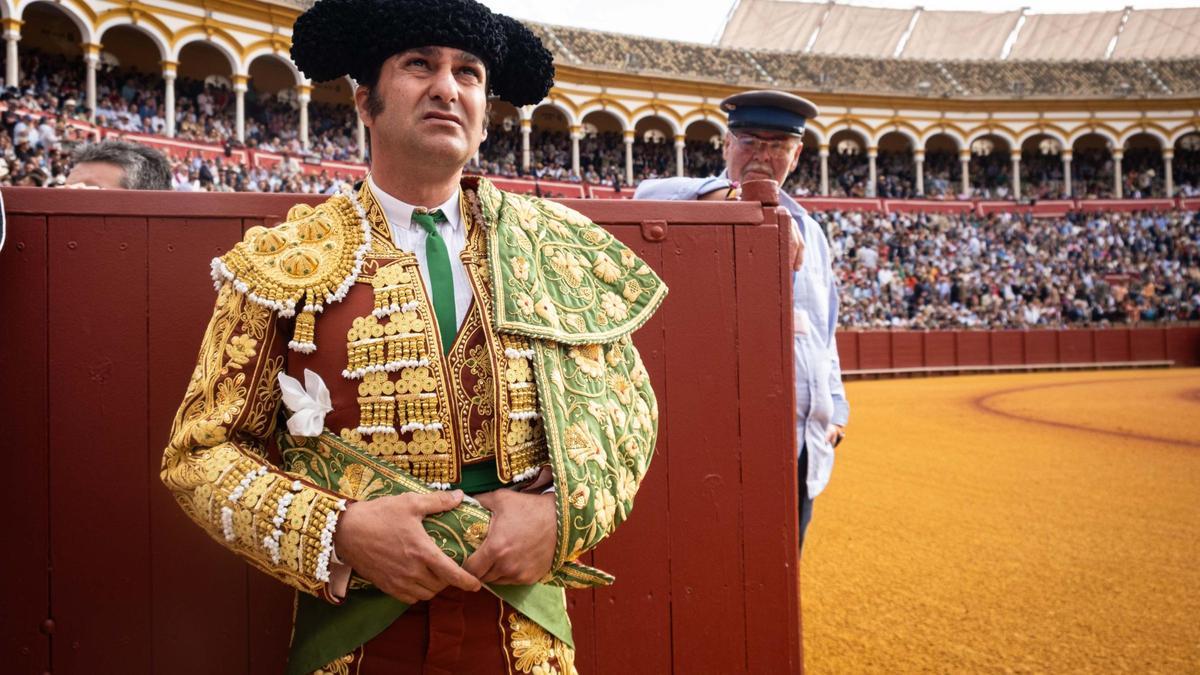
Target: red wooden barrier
x=106, y=308
x=876, y=352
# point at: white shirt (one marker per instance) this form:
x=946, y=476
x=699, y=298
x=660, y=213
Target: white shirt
x=408, y=236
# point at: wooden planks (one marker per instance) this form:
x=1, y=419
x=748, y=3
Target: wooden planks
x=186, y=563
x=97, y=415
x=707, y=600
x=769, y=484
x=24, y=647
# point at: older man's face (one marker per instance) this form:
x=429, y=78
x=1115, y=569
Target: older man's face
x=752, y=154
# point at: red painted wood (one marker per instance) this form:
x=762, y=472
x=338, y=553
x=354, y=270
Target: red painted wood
x=180, y=301
x=1111, y=344
x=99, y=478
x=1076, y=345
x=707, y=599
x=847, y=343
x=24, y=647
x=973, y=348
x=1007, y=347
x=874, y=350
x=267, y=610
x=908, y=349
x=1183, y=346
x=1041, y=346
x=939, y=348
x=639, y=552
x=766, y=399
x=1148, y=344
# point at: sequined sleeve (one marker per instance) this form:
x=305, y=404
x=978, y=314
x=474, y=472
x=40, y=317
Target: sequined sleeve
x=216, y=465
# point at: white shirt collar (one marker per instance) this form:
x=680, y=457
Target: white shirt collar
x=399, y=214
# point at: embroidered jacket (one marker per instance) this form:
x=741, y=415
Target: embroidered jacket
x=559, y=298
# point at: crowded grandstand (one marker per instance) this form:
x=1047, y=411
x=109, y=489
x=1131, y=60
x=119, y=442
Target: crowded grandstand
x=1026, y=121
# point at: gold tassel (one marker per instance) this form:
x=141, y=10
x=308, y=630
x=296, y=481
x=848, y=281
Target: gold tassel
x=303, y=333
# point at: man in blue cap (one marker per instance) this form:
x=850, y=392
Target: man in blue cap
x=764, y=141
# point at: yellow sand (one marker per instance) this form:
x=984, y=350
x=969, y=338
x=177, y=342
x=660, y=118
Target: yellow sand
x=954, y=539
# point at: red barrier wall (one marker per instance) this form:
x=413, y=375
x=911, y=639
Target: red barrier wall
x=106, y=307
x=898, y=350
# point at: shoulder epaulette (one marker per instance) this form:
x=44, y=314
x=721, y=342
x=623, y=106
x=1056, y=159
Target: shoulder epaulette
x=313, y=257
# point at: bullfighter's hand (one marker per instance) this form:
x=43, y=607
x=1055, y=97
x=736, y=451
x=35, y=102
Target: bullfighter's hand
x=519, y=547
x=385, y=543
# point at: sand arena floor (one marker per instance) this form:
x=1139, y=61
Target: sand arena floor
x=1031, y=523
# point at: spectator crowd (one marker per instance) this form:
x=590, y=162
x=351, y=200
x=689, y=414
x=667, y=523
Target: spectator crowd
x=1006, y=270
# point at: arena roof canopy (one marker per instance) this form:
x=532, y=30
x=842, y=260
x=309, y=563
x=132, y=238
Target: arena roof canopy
x=846, y=30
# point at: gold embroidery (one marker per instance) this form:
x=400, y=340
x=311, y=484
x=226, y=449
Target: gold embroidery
x=535, y=651
x=214, y=464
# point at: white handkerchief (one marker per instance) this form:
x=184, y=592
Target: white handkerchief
x=308, y=407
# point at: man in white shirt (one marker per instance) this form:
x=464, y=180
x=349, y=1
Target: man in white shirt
x=764, y=141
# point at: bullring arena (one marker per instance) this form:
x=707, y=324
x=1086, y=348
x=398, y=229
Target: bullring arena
x=1010, y=199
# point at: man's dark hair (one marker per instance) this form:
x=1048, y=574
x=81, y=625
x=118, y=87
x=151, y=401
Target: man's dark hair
x=145, y=168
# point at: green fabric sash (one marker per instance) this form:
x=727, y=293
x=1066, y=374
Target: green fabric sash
x=324, y=632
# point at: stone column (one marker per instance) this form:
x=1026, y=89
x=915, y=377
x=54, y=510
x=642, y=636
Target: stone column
x=169, y=74
x=303, y=96
x=1016, y=175
x=576, y=134
x=91, y=61
x=872, y=186
x=360, y=132
x=919, y=165
x=239, y=92
x=1169, y=171
x=526, y=129
x=629, y=135
x=12, y=37
x=680, y=143
x=1118, y=187
x=1066, y=160
x=964, y=158
x=823, y=153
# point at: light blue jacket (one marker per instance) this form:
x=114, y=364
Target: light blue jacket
x=820, y=396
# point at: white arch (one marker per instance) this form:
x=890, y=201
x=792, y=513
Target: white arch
x=864, y=136
x=1099, y=131
x=82, y=23
x=1052, y=133
x=953, y=134
x=571, y=121
x=1163, y=141
x=897, y=129
x=703, y=116
x=675, y=130
x=998, y=132
x=146, y=29
x=1182, y=131
x=266, y=51
x=615, y=112
x=229, y=50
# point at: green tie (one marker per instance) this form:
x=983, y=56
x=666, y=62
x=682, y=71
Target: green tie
x=440, y=277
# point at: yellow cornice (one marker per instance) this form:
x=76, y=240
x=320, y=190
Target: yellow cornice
x=717, y=90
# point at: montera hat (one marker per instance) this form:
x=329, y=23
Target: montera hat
x=335, y=38
x=769, y=110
